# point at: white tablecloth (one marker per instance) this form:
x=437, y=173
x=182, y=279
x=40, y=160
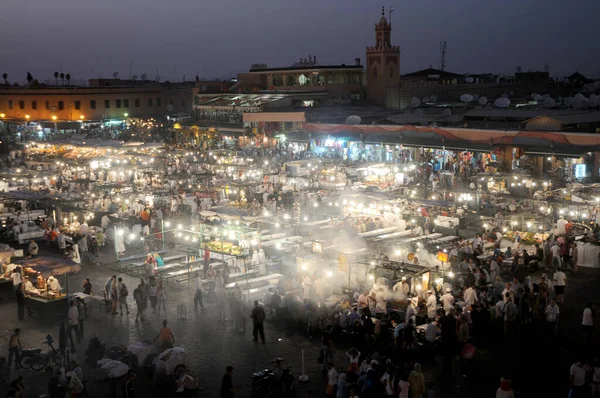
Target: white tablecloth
x=588, y=255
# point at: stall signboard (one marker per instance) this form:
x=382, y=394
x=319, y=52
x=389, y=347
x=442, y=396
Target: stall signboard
x=443, y=257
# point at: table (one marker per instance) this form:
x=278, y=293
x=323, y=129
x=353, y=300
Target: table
x=89, y=299
x=44, y=308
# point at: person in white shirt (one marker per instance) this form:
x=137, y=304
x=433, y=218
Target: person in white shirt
x=560, y=281
x=306, y=284
x=431, y=331
x=411, y=310
x=578, y=373
x=105, y=222
x=494, y=269
x=447, y=301
x=587, y=323
x=552, y=312
x=16, y=278
x=470, y=296
x=198, y=293
x=431, y=305
x=53, y=284
x=556, y=256
x=84, y=228
x=417, y=231
x=73, y=315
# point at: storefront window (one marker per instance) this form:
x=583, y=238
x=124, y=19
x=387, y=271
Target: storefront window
x=278, y=80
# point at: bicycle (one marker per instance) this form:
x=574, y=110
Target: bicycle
x=40, y=360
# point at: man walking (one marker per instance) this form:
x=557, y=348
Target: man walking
x=206, y=261
x=198, y=293
x=552, y=312
x=73, y=325
x=14, y=349
x=227, y=383
x=258, y=318
x=141, y=301
x=123, y=293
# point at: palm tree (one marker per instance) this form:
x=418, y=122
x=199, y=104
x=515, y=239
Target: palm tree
x=134, y=77
x=29, y=77
x=62, y=79
x=56, y=77
x=5, y=77
x=68, y=77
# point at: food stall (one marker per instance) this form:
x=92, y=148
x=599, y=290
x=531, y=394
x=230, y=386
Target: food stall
x=48, y=296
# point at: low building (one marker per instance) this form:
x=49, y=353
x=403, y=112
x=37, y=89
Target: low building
x=101, y=100
x=339, y=83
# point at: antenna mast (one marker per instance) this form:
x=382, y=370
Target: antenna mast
x=443, y=46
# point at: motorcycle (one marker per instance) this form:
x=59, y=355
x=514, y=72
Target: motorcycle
x=278, y=381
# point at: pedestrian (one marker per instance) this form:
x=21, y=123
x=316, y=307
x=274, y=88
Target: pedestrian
x=258, y=317
x=123, y=292
x=332, y=379
x=227, y=383
x=560, y=282
x=552, y=312
x=327, y=347
x=221, y=303
x=141, y=301
x=152, y=291
x=596, y=378
x=587, y=323
x=578, y=374
x=73, y=320
x=206, y=261
x=417, y=382
x=14, y=349
x=16, y=278
x=198, y=292
x=83, y=250
x=161, y=298
x=129, y=386
x=165, y=337
x=20, y=302
x=82, y=314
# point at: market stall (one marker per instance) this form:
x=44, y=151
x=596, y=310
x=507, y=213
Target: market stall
x=46, y=296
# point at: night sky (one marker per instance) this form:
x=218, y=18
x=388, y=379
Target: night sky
x=219, y=38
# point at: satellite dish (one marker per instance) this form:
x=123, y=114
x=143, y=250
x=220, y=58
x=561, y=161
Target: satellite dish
x=203, y=88
x=505, y=95
x=536, y=97
x=469, y=79
x=502, y=102
x=482, y=100
x=415, y=102
x=475, y=97
x=353, y=119
x=447, y=112
x=579, y=95
x=549, y=102
x=170, y=107
x=433, y=98
x=569, y=101
x=577, y=103
x=593, y=101
x=545, y=96
x=426, y=100
x=466, y=98
x=585, y=104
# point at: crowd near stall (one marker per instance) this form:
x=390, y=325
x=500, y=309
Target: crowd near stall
x=419, y=241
